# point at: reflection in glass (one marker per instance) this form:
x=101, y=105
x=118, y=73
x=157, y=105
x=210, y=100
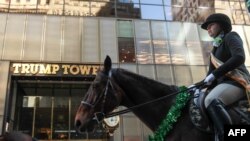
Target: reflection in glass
x=126, y=45
x=206, y=3
x=165, y=74
x=206, y=49
x=182, y=75
x=61, y=114
x=43, y=117
x=160, y=43
x=151, y=2
x=152, y=12
x=198, y=73
x=238, y=17
x=77, y=8
x=126, y=50
x=178, y=49
x=193, y=44
x=147, y=71
x=102, y=9
x=128, y=10
x=168, y=13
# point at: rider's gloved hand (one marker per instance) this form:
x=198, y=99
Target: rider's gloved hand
x=196, y=95
x=192, y=88
x=209, y=79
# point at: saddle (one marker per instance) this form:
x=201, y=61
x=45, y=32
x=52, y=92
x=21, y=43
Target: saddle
x=198, y=115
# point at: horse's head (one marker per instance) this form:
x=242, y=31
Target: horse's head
x=101, y=98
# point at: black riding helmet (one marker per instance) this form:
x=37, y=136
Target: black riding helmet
x=220, y=18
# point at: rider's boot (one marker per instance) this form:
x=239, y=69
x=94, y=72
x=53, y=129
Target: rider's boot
x=219, y=116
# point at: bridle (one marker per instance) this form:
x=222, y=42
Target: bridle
x=99, y=116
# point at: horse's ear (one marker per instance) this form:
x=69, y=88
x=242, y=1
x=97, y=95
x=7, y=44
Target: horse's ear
x=107, y=64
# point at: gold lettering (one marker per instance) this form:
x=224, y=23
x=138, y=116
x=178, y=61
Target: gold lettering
x=45, y=70
x=85, y=69
x=95, y=68
x=65, y=69
x=55, y=68
x=16, y=67
x=74, y=69
x=34, y=68
x=25, y=68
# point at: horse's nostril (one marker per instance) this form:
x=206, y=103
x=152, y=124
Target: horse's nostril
x=78, y=123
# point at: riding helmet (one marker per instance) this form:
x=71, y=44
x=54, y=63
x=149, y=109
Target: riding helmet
x=220, y=18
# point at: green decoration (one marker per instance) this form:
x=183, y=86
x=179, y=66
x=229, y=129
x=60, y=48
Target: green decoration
x=173, y=114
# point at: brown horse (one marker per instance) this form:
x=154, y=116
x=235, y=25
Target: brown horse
x=114, y=87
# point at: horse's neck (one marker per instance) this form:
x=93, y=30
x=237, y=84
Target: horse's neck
x=139, y=89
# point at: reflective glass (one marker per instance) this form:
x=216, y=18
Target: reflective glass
x=151, y=2
x=203, y=14
x=4, y=6
x=130, y=127
x=165, y=74
x=102, y=9
x=127, y=1
x=147, y=71
x=167, y=2
x=23, y=7
x=247, y=31
x=130, y=67
x=238, y=17
x=26, y=113
x=206, y=3
x=178, y=13
x=32, y=45
x=90, y=40
x=178, y=50
x=182, y=75
x=198, y=73
x=57, y=8
x=221, y=4
x=235, y=5
x=61, y=114
x=193, y=44
x=178, y=2
x=3, y=19
x=43, y=118
x=168, y=13
x=157, y=14
x=128, y=10
x=108, y=40
x=206, y=50
x=52, y=45
x=14, y=37
x=72, y=40
x=160, y=43
x=143, y=42
x=246, y=17
x=126, y=50
x=77, y=8
x=126, y=41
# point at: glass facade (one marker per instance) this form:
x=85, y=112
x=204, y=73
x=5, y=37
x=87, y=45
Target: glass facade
x=160, y=39
x=170, y=10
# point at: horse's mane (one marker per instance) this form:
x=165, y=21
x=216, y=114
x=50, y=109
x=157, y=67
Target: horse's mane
x=157, y=86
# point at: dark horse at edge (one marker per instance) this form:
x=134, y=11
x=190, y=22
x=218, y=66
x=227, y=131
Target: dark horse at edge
x=129, y=89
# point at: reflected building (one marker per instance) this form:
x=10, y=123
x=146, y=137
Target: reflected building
x=69, y=39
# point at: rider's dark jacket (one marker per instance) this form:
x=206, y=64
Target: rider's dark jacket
x=231, y=53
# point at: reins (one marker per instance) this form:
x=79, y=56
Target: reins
x=149, y=102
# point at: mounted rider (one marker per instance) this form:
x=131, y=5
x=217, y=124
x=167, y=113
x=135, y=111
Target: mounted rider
x=228, y=79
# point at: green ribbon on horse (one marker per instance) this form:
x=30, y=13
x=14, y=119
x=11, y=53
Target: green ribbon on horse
x=173, y=114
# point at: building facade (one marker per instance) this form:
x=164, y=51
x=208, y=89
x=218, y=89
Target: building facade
x=50, y=51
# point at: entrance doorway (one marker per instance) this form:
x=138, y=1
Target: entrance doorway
x=46, y=109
